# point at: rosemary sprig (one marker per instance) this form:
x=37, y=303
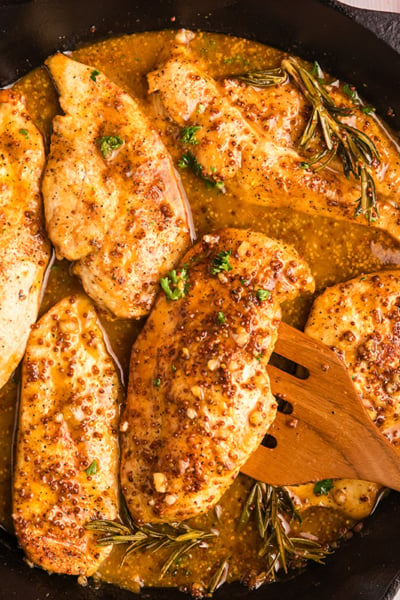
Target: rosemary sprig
x=355, y=149
x=273, y=511
x=179, y=538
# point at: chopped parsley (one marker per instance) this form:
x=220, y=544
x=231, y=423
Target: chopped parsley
x=304, y=165
x=221, y=317
x=367, y=110
x=351, y=92
x=157, y=382
x=263, y=295
x=200, y=108
x=188, y=135
x=221, y=262
x=259, y=357
x=189, y=161
x=92, y=468
x=24, y=133
x=174, y=284
x=94, y=74
x=109, y=143
x=321, y=488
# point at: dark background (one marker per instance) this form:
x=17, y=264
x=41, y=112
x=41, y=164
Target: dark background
x=385, y=25
x=368, y=565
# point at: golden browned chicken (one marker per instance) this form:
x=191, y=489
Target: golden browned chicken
x=113, y=200
x=360, y=321
x=241, y=143
x=199, y=399
x=66, y=469
x=24, y=250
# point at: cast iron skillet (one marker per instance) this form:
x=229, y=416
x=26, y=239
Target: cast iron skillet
x=368, y=565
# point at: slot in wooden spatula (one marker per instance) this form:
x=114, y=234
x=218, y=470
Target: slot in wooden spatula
x=329, y=433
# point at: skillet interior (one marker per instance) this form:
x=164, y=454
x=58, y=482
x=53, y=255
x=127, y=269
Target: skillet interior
x=368, y=565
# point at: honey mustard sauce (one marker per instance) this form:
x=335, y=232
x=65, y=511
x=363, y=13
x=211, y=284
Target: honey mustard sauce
x=335, y=250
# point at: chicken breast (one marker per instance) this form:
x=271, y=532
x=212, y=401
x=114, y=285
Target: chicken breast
x=199, y=400
x=360, y=321
x=236, y=149
x=24, y=250
x=66, y=466
x=113, y=200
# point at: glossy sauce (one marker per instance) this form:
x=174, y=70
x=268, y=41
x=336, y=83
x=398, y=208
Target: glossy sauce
x=335, y=251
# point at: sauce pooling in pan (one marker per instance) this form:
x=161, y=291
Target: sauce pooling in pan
x=335, y=251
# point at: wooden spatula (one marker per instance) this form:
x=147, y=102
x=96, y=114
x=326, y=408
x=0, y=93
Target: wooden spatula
x=329, y=433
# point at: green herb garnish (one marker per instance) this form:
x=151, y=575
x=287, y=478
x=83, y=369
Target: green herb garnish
x=157, y=382
x=92, y=468
x=367, y=110
x=179, y=538
x=221, y=262
x=351, y=92
x=321, y=488
x=174, y=284
x=189, y=161
x=109, y=143
x=94, y=74
x=24, y=132
x=221, y=317
x=263, y=295
x=188, y=135
x=269, y=507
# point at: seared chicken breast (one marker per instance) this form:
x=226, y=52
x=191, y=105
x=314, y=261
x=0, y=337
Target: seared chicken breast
x=360, y=321
x=113, y=200
x=238, y=144
x=66, y=468
x=199, y=399
x=24, y=250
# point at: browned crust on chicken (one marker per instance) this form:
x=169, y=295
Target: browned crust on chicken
x=66, y=469
x=199, y=399
x=120, y=212
x=360, y=321
x=24, y=250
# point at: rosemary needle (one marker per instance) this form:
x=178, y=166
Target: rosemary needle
x=265, y=78
x=219, y=576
